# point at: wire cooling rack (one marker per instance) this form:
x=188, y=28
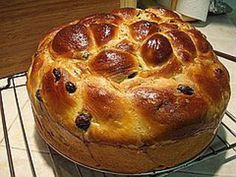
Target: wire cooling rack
x=60, y=166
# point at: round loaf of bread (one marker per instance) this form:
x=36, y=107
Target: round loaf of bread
x=129, y=91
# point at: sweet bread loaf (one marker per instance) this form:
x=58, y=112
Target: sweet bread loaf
x=128, y=91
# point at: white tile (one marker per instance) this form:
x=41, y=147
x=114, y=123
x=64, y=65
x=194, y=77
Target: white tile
x=10, y=110
x=231, y=106
x=16, y=136
x=20, y=162
x=22, y=96
x=43, y=164
x=4, y=167
x=231, y=66
x=220, y=32
x=35, y=142
x=1, y=130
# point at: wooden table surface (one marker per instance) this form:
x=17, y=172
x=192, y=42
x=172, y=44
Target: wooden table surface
x=24, y=22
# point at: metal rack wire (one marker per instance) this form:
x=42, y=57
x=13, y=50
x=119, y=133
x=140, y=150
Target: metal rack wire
x=10, y=83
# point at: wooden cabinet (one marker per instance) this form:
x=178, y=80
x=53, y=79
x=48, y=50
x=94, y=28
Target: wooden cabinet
x=24, y=22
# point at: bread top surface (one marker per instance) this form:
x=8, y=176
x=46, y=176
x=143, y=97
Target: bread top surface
x=131, y=77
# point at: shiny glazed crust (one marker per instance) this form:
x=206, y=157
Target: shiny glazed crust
x=128, y=91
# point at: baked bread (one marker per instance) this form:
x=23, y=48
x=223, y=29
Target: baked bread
x=128, y=91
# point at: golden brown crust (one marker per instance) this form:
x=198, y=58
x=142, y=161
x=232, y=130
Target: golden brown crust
x=183, y=45
x=156, y=50
x=141, y=29
x=126, y=45
x=113, y=63
x=74, y=37
x=103, y=33
x=126, y=86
